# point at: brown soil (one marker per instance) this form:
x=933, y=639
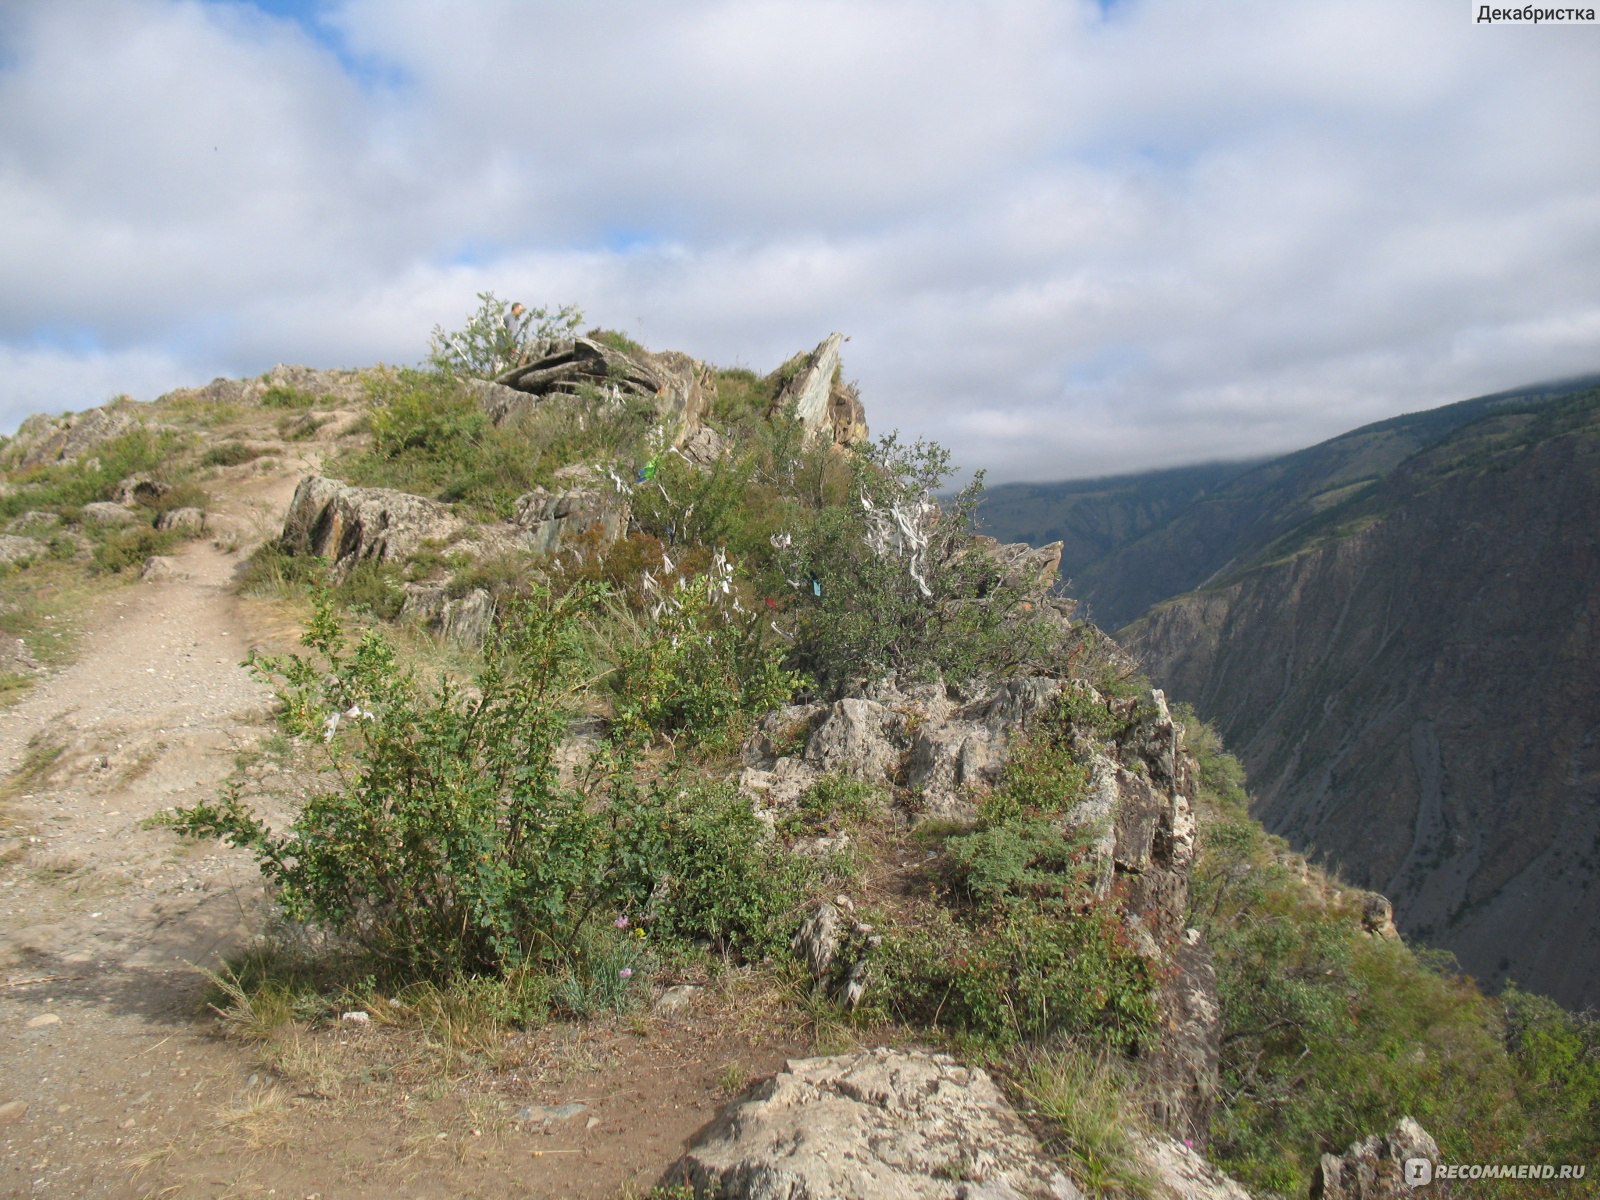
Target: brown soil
x=129, y=1086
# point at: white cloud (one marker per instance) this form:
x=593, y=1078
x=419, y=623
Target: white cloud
x=1064, y=242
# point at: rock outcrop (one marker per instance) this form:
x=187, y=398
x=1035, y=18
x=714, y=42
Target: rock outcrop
x=678, y=386
x=343, y=386
x=347, y=525
x=870, y=1126
x=42, y=440
x=1375, y=1168
x=890, y=1124
x=1137, y=808
x=824, y=404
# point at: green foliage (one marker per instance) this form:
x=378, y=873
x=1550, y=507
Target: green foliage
x=284, y=396
x=66, y=487
x=432, y=438
x=488, y=346
x=698, y=670
x=127, y=546
x=833, y=802
x=724, y=879
x=1026, y=972
x=372, y=586
x=229, y=454
x=450, y=843
x=1557, y=1057
x=422, y=413
x=895, y=584
x=1026, y=858
x=1094, y=1107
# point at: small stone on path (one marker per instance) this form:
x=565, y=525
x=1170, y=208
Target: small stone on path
x=42, y=1020
x=12, y=1110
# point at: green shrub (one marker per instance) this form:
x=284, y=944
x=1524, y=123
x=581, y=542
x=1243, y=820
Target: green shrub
x=229, y=454
x=724, y=880
x=284, y=396
x=698, y=670
x=129, y=546
x=833, y=802
x=452, y=844
x=485, y=347
x=1028, y=972
x=876, y=599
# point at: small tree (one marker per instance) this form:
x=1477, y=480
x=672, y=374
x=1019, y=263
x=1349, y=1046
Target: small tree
x=894, y=582
x=494, y=340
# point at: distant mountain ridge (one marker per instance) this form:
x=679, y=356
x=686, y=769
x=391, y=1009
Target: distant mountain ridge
x=1398, y=631
x=1133, y=541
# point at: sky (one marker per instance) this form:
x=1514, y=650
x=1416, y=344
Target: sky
x=1065, y=237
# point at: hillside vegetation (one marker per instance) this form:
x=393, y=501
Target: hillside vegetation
x=593, y=802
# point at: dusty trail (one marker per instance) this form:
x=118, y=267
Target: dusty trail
x=106, y=914
x=113, y=1083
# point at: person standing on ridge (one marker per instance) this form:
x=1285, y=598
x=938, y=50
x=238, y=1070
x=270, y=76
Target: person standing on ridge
x=516, y=324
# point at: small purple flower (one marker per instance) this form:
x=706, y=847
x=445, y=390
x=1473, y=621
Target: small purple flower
x=625, y=973
x=621, y=922
x=1189, y=1142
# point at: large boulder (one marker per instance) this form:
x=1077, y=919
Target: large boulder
x=1375, y=1168
x=548, y=519
x=676, y=385
x=348, y=525
x=875, y=1125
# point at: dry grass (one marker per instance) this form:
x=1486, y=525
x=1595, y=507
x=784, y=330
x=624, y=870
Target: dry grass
x=258, y=1118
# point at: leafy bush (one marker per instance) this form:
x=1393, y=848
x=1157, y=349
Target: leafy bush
x=229, y=454
x=450, y=844
x=832, y=802
x=284, y=396
x=129, y=546
x=896, y=584
x=723, y=878
x=1027, y=972
x=488, y=345
x=699, y=669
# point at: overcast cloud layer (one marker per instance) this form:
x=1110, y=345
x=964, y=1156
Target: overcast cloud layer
x=1066, y=238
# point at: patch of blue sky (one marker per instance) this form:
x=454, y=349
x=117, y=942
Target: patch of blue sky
x=1104, y=365
x=313, y=18
x=63, y=338
x=627, y=240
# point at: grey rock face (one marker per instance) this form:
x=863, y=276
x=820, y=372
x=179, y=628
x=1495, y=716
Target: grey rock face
x=1374, y=1169
x=184, y=520
x=1178, y=1172
x=41, y=439
x=548, y=519
x=875, y=1125
x=15, y=549
x=825, y=406
x=349, y=524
